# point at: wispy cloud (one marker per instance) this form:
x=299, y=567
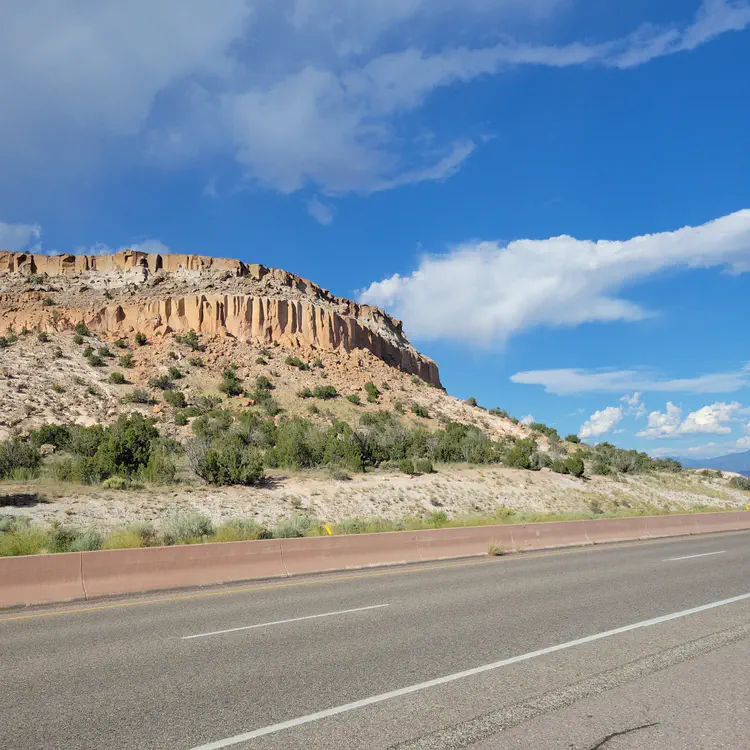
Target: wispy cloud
x=298, y=92
x=564, y=382
x=321, y=212
x=15, y=237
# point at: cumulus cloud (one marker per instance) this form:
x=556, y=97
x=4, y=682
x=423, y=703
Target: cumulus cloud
x=486, y=291
x=321, y=212
x=712, y=419
x=601, y=422
x=297, y=91
x=564, y=381
x=15, y=237
x=528, y=419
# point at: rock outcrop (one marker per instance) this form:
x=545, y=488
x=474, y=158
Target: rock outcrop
x=161, y=294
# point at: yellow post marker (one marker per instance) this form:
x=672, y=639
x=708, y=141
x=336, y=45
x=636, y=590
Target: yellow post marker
x=328, y=529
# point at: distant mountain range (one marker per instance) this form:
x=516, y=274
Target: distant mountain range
x=739, y=462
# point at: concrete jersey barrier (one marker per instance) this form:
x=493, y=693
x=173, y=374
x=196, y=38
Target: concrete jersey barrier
x=39, y=579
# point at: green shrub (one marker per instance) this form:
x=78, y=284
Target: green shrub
x=160, y=468
x=180, y=419
x=372, y=392
x=261, y=361
x=225, y=460
x=305, y=393
x=174, y=373
x=240, y=530
x=406, y=466
x=162, y=382
x=171, y=355
x=126, y=360
x=740, y=483
x=184, y=529
x=140, y=339
x=195, y=361
x=231, y=384
x=324, y=392
x=78, y=340
x=43, y=337
x=212, y=424
x=264, y=383
x=318, y=362
x=354, y=399
x=573, y=439
x=117, y=378
x=559, y=466
x=17, y=455
x=115, y=483
x=520, y=455
x=81, y=329
x=399, y=407
x=23, y=541
x=87, y=541
x=294, y=362
x=96, y=361
x=176, y=399
x=48, y=302
x=423, y=466
x=602, y=467
x=121, y=344
x=575, y=465
x=296, y=526
x=88, y=352
x=299, y=444
x=471, y=401
x=542, y=428
x=104, y=351
x=50, y=434
x=138, y=396
x=343, y=448
x=419, y=411
x=190, y=340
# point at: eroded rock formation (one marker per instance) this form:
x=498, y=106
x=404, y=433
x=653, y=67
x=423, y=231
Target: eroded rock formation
x=161, y=294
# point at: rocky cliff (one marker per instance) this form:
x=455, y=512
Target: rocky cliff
x=160, y=294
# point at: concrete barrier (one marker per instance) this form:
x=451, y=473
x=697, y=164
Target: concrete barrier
x=150, y=569
x=317, y=554
x=36, y=579
x=470, y=541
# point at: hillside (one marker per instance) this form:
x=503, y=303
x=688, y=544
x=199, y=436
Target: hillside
x=259, y=395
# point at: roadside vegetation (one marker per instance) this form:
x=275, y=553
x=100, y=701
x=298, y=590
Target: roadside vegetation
x=19, y=537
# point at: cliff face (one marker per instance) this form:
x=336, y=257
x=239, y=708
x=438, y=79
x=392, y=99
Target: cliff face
x=161, y=294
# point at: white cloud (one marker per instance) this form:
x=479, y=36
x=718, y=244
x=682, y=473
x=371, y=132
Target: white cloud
x=17, y=237
x=568, y=381
x=528, y=419
x=634, y=405
x=321, y=212
x=601, y=422
x=712, y=419
x=298, y=91
x=486, y=291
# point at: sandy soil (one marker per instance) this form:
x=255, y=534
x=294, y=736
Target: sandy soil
x=456, y=490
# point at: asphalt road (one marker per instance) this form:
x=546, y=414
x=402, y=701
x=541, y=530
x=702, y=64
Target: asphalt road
x=504, y=652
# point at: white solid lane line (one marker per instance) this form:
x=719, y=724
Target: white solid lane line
x=690, y=557
x=283, y=622
x=273, y=728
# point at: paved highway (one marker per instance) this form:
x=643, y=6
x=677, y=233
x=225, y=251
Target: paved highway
x=639, y=645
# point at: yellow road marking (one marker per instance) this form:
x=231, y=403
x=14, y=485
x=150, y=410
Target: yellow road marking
x=418, y=568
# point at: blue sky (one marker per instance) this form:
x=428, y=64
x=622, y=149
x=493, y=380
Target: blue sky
x=552, y=194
